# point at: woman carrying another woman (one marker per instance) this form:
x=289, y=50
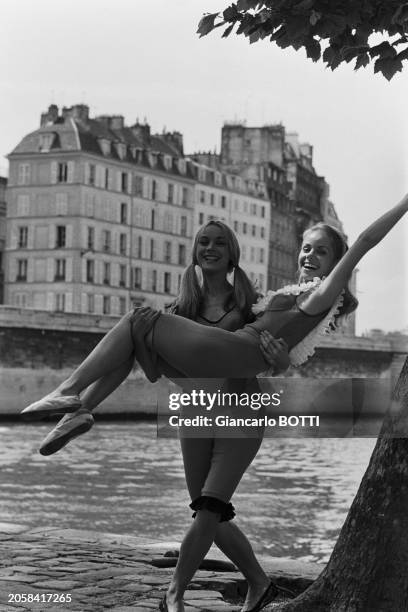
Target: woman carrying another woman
x=217, y=464
x=297, y=314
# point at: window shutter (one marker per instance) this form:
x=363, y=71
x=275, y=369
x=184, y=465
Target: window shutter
x=54, y=170
x=71, y=168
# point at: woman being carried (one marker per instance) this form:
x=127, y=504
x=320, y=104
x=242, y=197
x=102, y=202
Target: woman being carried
x=198, y=351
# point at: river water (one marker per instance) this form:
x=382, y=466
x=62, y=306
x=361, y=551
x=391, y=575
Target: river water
x=121, y=478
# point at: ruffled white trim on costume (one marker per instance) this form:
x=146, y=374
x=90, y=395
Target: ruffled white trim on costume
x=306, y=347
x=263, y=302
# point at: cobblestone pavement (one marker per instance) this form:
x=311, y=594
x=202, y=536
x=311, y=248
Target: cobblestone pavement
x=67, y=570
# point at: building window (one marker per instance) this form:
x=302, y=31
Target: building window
x=124, y=182
x=106, y=273
x=152, y=250
x=138, y=186
x=137, y=278
x=244, y=228
x=60, y=240
x=24, y=174
x=153, y=280
x=201, y=218
x=60, y=302
x=261, y=256
x=123, y=213
x=22, y=237
x=60, y=266
x=223, y=201
x=139, y=247
x=62, y=172
x=122, y=305
x=152, y=219
x=167, y=252
x=106, y=178
x=106, y=304
x=202, y=196
x=262, y=211
x=22, y=269
x=122, y=276
x=212, y=199
x=61, y=203
x=90, y=243
x=183, y=226
x=91, y=302
x=90, y=270
x=123, y=244
x=235, y=226
x=170, y=193
x=106, y=240
x=254, y=230
x=23, y=205
x=91, y=174
x=184, y=197
x=167, y=282
x=154, y=189
x=262, y=232
x=182, y=254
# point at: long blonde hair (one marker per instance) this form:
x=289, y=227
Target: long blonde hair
x=190, y=297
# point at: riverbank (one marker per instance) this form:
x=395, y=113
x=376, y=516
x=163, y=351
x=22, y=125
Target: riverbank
x=98, y=572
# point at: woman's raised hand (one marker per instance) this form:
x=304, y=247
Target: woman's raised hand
x=275, y=352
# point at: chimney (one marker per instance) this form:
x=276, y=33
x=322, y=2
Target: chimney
x=141, y=131
x=50, y=116
x=116, y=122
x=175, y=139
x=307, y=150
x=78, y=112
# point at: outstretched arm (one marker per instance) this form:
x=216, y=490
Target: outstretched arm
x=325, y=295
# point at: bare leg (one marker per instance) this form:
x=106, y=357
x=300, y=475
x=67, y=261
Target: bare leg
x=195, y=545
x=235, y=545
x=116, y=348
x=99, y=390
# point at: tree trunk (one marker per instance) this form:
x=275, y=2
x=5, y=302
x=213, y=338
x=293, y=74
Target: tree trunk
x=368, y=569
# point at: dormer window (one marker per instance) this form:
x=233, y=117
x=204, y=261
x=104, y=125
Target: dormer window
x=45, y=141
x=167, y=160
x=105, y=145
x=182, y=166
x=121, y=149
x=217, y=178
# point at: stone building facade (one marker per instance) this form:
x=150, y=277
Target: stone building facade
x=3, y=209
x=101, y=215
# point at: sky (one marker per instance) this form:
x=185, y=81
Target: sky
x=143, y=59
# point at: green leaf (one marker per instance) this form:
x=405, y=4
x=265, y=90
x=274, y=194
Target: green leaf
x=313, y=49
x=246, y=5
x=207, y=23
x=362, y=61
x=231, y=13
x=228, y=31
x=403, y=55
x=385, y=50
x=314, y=17
x=388, y=67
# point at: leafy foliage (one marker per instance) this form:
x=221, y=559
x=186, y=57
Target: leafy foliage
x=335, y=31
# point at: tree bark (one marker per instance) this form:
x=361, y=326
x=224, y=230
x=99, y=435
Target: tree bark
x=368, y=568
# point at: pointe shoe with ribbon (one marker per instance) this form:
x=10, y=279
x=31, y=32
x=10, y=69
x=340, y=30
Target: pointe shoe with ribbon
x=51, y=404
x=69, y=427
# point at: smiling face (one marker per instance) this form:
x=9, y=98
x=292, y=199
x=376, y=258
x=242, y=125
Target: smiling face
x=212, y=251
x=316, y=257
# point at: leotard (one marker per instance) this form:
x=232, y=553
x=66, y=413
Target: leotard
x=200, y=352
